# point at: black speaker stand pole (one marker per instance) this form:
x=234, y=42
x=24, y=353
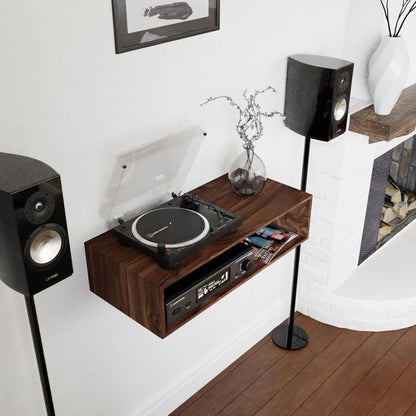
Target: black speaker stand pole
x=40, y=357
x=290, y=336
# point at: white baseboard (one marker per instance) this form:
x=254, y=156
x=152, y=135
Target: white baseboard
x=187, y=384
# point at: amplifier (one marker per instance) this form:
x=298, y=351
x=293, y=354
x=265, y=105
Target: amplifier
x=187, y=293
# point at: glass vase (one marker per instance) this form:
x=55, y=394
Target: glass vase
x=247, y=174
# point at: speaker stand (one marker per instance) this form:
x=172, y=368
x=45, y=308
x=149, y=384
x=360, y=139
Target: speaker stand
x=289, y=336
x=40, y=357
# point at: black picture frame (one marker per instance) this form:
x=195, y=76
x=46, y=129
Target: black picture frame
x=135, y=39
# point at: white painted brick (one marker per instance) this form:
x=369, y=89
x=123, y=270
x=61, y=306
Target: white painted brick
x=301, y=307
x=328, y=182
x=380, y=325
x=313, y=239
x=329, y=209
x=335, y=169
x=326, y=241
x=314, y=290
x=353, y=188
x=314, y=163
x=319, y=253
x=314, y=262
x=303, y=289
x=317, y=192
x=309, y=272
x=317, y=313
x=316, y=144
x=399, y=311
x=344, y=307
x=317, y=303
x=340, y=322
x=373, y=314
x=335, y=151
x=313, y=178
x=343, y=242
x=323, y=220
x=319, y=229
x=331, y=196
x=341, y=268
x=311, y=288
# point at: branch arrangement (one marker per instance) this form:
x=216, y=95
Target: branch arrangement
x=250, y=123
x=407, y=7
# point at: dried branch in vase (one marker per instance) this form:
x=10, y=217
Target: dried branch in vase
x=407, y=7
x=250, y=123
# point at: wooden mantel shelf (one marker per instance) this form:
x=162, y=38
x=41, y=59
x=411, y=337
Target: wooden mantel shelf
x=400, y=122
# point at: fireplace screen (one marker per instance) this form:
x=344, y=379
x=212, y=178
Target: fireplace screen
x=392, y=197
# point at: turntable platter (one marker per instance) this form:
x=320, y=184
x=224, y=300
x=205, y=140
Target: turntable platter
x=174, y=230
x=172, y=227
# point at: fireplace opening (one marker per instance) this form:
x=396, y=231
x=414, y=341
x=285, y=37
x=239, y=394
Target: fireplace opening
x=392, y=197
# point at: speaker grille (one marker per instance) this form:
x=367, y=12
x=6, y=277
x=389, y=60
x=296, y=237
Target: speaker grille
x=21, y=172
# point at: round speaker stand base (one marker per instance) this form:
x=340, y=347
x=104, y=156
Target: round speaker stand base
x=299, y=338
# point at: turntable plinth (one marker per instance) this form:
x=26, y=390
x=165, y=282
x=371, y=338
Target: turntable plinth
x=135, y=284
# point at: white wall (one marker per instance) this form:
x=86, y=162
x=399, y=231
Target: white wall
x=70, y=101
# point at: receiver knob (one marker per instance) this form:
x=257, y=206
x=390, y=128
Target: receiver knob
x=247, y=265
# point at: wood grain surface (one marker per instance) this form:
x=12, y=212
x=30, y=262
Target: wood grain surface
x=339, y=373
x=400, y=122
x=134, y=283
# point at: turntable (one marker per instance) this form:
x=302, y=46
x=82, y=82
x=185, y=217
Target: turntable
x=138, y=210
x=177, y=228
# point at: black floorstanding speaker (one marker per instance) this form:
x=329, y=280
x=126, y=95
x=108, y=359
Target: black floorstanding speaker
x=316, y=106
x=34, y=244
x=317, y=95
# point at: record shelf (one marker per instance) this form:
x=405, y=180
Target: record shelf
x=134, y=283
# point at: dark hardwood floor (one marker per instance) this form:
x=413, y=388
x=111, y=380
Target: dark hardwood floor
x=339, y=373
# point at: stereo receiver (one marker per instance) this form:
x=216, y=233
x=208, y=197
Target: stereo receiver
x=187, y=293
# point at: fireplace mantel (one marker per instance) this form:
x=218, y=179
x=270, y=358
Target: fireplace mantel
x=400, y=122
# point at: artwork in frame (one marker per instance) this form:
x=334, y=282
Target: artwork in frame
x=142, y=23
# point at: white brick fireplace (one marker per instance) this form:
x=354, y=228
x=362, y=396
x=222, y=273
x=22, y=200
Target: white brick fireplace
x=333, y=288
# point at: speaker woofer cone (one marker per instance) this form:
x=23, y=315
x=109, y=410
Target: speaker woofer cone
x=45, y=246
x=340, y=108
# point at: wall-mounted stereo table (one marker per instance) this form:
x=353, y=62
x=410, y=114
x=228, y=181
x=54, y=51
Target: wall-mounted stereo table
x=134, y=283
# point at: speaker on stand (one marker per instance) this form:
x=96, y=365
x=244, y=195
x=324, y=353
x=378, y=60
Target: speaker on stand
x=34, y=244
x=316, y=106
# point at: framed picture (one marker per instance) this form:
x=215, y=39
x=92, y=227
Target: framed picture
x=142, y=23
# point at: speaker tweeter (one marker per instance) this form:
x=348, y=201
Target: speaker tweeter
x=39, y=207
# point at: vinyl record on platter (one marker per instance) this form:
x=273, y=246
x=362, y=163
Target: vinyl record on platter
x=172, y=227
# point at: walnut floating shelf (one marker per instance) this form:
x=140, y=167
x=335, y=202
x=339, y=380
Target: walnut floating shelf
x=400, y=122
x=135, y=284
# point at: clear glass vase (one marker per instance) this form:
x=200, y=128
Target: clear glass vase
x=247, y=174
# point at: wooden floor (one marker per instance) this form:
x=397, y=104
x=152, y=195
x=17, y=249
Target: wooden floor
x=339, y=373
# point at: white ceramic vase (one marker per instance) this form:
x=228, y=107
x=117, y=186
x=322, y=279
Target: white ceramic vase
x=387, y=73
